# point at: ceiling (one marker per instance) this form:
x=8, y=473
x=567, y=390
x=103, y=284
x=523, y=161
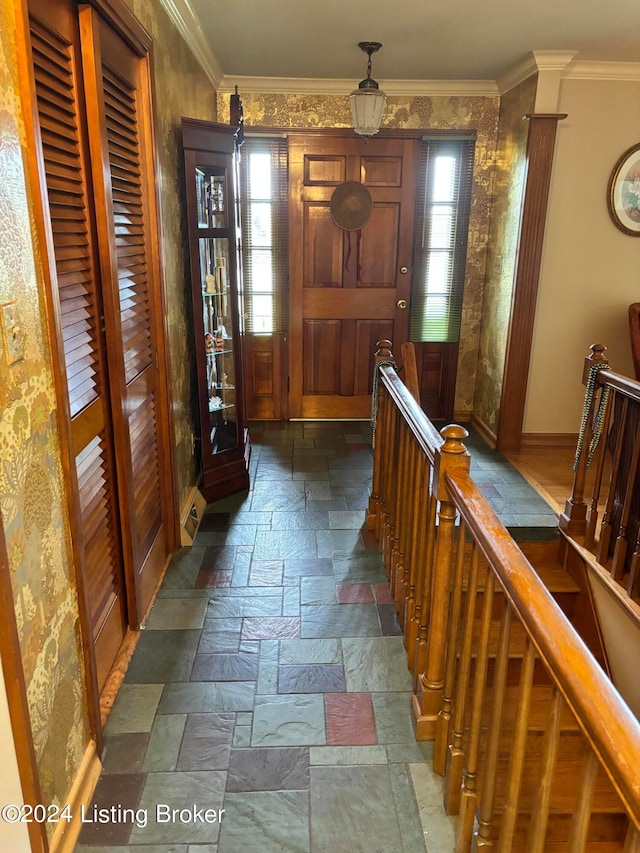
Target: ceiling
x=422, y=39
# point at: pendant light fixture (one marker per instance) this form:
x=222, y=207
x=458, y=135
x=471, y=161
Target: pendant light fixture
x=367, y=101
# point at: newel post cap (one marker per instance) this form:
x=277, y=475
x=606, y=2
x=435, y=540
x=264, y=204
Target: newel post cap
x=452, y=454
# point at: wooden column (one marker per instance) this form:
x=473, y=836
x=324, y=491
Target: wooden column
x=540, y=146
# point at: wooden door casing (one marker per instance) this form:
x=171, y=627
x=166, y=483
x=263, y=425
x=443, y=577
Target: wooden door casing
x=345, y=286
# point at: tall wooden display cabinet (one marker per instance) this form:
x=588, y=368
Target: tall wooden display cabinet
x=214, y=244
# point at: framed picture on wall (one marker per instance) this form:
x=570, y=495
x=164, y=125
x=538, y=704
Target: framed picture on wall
x=623, y=194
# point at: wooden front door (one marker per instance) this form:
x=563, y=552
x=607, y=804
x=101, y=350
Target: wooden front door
x=348, y=289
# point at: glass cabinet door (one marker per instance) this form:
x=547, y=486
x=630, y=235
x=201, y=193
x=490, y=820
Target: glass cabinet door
x=214, y=245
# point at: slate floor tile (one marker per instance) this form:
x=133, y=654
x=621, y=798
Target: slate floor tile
x=311, y=678
x=225, y=667
x=279, y=819
x=349, y=719
x=163, y=656
x=310, y=651
x=340, y=620
x=270, y=628
x=307, y=567
x=266, y=573
x=288, y=721
x=354, y=593
x=124, y=753
x=206, y=743
x=269, y=769
x=123, y=789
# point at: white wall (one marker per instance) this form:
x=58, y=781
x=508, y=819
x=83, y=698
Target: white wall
x=590, y=270
x=14, y=837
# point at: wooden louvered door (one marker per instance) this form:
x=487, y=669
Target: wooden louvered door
x=117, y=86
x=75, y=281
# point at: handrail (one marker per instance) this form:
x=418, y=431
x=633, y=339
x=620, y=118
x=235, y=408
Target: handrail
x=437, y=535
x=424, y=431
x=610, y=727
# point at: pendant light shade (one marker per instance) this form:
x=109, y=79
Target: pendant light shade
x=368, y=100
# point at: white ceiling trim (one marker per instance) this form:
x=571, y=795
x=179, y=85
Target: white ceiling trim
x=603, y=71
x=537, y=60
x=188, y=24
x=317, y=86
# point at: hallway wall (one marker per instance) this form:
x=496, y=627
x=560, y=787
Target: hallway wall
x=589, y=273
x=34, y=510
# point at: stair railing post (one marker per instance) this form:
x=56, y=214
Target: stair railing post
x=573, y=519
x=383, y=354
x=452, y=454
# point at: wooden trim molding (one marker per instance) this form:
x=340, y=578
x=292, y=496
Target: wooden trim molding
x=540, y=147
x=487, y=434
x=191, y=516
x=66, y=834
x=11, y=662
x=549, y=439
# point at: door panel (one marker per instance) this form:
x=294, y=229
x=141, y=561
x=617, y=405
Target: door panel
x=117, y=85
x=54, y=39
x=344, y=285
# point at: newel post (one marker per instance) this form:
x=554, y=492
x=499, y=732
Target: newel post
x=573, y=519
x=427, y=702
x=383, y=355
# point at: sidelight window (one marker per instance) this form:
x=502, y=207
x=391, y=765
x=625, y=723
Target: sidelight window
x=440, y=243
x=263, y=180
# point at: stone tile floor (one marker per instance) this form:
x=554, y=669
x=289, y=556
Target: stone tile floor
x=271, y=681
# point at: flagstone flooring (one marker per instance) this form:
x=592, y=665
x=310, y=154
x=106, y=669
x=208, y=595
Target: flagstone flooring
x=270, y=684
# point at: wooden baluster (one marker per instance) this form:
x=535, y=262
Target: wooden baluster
x=572, y=520
x=455, y=757
x=518, y=750
x=540, y=813
x=632, y=841
x=602, y=554
x=452, y=454
x=402, y=494
x=407, y=543
x=579, y=830
x=620, y=549
x=468, y=794
x=633, y=584
x=423, y=609
x=384, y=441
x=383, y=353
x=418, y=546
x=443, y=725
x=411, y=371
x=389, y=520
x=601, y=455
x=487, y=795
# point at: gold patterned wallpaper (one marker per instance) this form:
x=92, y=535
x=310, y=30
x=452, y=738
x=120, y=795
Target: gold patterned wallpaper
x=33, y=506
x=428, y=113
x=181, y=89
x=503, y=245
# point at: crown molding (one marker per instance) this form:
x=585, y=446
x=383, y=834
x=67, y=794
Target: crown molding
x=603, y=71
x=188, y=25
x=394, y=88
x=534, y=62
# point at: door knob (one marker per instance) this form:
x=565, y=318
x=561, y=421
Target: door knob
x=401, y=304
x=404, y=270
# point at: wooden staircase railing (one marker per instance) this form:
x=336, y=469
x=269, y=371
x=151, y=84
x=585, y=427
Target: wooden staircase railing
x=539, y=751
x=607, y=520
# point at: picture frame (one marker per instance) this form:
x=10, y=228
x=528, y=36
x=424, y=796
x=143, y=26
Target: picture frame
x=623, y=192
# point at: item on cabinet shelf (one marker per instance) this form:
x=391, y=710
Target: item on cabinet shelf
x=214, y=403
x=219, y=341
x=208, y=343
x=210, y=283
